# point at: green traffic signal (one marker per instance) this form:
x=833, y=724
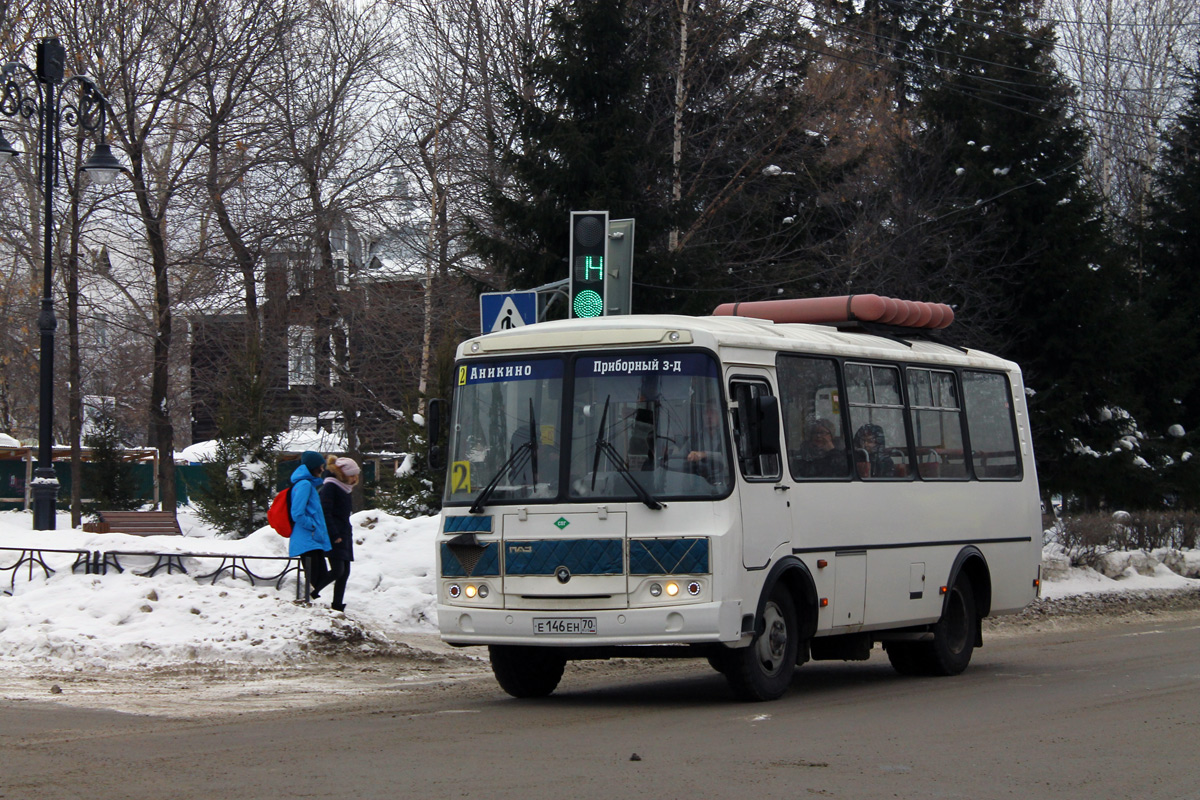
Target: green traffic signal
x=588, y=304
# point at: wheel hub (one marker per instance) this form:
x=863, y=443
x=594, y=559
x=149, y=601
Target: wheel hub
x=773, y=643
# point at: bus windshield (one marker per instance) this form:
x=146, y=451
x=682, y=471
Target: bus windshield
x=641, y=427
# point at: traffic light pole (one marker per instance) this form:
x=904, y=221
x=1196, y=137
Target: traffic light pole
x=555, y=289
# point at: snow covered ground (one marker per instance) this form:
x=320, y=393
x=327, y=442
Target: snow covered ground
x=119, y=621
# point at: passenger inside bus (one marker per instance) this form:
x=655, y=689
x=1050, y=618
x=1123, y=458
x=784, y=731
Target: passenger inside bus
x=705, y=456
x=820, y=455
x=870, y=454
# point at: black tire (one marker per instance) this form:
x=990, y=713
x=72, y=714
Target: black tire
x=719, y=661
x=526, y=671
x=905, y=657
x=953, y=638
x=954, y=634
x=763, y=671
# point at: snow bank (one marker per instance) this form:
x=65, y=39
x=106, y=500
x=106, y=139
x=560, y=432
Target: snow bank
x=119, y=620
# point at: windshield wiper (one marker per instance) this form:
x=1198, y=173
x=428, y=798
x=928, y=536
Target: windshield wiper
x=524, y=453
x=533, y=441
x=604, y=446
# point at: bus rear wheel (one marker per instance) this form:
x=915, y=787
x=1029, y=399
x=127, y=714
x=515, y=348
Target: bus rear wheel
x=763, y=671
x=953, y=638
x=954, y=634
x=526, y=671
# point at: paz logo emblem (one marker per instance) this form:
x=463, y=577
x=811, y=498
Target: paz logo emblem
x=563, y=574
x=561, y=523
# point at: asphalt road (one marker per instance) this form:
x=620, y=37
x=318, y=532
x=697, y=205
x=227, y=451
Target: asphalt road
x=1102, y=710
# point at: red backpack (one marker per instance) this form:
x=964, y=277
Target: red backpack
x=279, y=515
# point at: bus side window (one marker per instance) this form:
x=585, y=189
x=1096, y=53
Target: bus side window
x=757, y=460
x=936, y=424
x=880, y=443
x=812, y=418
x=990, y=424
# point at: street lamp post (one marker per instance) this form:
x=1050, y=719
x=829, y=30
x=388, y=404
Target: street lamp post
x=77, y=102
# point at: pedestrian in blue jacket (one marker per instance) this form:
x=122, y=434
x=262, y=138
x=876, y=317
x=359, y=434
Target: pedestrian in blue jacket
x=310, y=539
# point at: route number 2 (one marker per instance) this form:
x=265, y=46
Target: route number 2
x=460, y=476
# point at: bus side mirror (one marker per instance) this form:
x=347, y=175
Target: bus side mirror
x=764, y=425
x=433, y=432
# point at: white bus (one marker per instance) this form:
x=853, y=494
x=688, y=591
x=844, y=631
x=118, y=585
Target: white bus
x=754, y=491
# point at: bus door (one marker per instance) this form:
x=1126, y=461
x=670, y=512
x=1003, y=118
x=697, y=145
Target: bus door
x=762, y=493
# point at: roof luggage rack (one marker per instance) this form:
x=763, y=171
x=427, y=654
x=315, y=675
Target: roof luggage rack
x=869, y=312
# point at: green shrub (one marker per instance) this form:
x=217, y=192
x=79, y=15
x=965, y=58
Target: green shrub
x=109, y=483
x=416, y=491
x=240, y=487
x=1087, y=537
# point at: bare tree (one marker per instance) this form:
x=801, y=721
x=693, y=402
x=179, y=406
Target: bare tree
x=146, y=59
x=338, y=159
x=1127, y=59
x=445, y=91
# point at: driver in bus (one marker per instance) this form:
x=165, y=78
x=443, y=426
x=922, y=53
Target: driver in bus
x=870, y=458
x=701, y=460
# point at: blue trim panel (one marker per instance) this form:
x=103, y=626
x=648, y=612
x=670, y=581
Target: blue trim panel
x=488, y=565
x=467, y=524
x=668, y=556
x=580, y=556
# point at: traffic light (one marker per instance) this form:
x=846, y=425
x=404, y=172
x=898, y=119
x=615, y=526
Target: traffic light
x=589, y=251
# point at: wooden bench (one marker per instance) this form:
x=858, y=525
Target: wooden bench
x=137, y=523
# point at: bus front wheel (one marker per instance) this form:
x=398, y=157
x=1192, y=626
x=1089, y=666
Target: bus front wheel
x=763, y=671
x=526, y=671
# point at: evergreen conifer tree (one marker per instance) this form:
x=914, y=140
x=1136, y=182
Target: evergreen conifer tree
x=581, y=143
x=1168, y=368
x=596, y=129
x=240, y=478
x=412, y=490
x=109, y=482
x=998, y=117
x=1172, y=293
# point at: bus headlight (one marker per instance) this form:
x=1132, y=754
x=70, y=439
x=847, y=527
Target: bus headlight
x=455, y=591
x=672, y=589
x=470, y=591
x=694, y=588
x=655, y=589
x=483, y=591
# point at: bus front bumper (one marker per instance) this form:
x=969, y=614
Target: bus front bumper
x=683, y=624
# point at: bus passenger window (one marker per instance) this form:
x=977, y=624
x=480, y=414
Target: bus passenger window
x=812, y=418
x=880, y=446
x=936, y=424
x=994, y=451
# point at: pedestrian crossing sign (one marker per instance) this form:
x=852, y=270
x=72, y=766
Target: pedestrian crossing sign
x=501, y=311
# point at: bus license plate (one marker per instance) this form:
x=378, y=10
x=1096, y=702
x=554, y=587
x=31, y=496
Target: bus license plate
x=554, y=625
